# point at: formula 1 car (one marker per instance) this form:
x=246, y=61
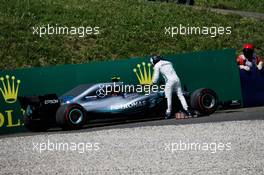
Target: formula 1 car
x=90, y=102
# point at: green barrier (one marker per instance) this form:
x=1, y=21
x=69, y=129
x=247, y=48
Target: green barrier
x=212, y=69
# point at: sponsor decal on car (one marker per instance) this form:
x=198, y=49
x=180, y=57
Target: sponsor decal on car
x=54, y=101
x=129, y=105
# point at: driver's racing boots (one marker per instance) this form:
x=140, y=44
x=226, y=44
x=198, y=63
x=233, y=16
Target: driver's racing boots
x=168, y=115
x=188, y=113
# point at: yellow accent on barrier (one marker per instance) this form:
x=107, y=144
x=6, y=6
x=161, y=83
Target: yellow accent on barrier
x=144, y=73
x=9, y=88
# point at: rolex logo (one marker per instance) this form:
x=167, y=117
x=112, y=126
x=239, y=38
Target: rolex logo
x=9, y=88
x=144, y=73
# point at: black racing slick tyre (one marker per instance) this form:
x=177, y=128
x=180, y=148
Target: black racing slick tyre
x=205, y=101
x=71, y=116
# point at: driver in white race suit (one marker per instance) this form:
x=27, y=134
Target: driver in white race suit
x=165, y=68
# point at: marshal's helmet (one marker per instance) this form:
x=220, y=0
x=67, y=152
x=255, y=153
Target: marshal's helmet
x=248, y=51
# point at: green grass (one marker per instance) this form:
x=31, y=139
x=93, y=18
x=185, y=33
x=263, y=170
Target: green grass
x=244, y=5
x=128, y=28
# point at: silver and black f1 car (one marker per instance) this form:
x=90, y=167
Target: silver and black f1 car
x=89, y=103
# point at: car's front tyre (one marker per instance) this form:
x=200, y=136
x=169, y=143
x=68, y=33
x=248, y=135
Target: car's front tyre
x=71, y=116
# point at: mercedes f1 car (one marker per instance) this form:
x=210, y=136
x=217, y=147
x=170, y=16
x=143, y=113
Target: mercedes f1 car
x=86, y=103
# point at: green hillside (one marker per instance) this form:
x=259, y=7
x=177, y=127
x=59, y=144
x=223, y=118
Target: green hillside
x=128, y=28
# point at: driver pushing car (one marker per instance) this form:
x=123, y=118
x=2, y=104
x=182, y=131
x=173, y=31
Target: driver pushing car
x=172, y=83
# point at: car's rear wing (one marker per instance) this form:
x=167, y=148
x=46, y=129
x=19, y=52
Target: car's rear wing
x=45, y=100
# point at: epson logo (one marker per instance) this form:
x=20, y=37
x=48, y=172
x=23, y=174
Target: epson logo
x=55, y=101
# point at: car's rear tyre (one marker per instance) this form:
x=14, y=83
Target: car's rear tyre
x=71, y=116
x=35, y=125
x=205, y=101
